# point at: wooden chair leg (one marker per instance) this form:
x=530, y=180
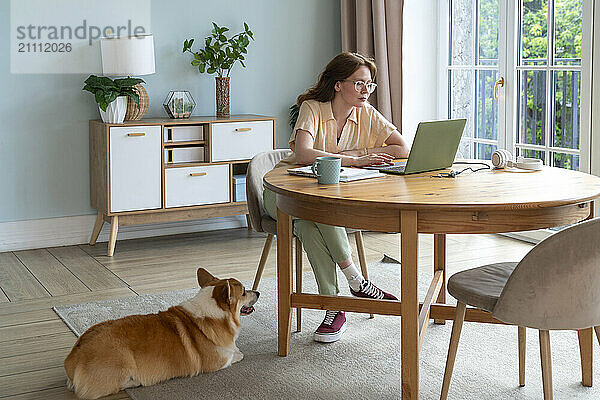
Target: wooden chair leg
x=298, y=282
x=248, y=223
x=459, y=318
x=112, y=240
x=263, y=260
x=586, y=353
x=522, y=348
x=360, y=248
x=97, y=228
x=597, y=329
x=546, y=364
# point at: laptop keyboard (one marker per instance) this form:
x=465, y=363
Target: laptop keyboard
x=399, y=168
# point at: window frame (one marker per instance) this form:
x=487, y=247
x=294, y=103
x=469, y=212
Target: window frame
x=589, y=144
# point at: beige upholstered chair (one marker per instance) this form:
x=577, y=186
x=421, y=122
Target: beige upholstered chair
x=556, y=286
x=262, y=222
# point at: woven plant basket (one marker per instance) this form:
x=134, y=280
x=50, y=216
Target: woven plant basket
x=133, y=112
x=222, y=94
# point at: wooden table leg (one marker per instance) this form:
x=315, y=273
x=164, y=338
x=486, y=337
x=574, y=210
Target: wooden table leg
x=112, y=240
x=97, y=228
x=284, y=281
x=410, y=305
x=439, y=264
x=248, y=222
x=586, y=351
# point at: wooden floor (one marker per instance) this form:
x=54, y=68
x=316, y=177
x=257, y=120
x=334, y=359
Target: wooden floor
x=34, y=341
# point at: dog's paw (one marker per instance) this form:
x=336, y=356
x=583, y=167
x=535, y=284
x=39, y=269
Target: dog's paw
x=69, y=385
x=237, y=356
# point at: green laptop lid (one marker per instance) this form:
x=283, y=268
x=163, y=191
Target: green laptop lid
x=435, y=145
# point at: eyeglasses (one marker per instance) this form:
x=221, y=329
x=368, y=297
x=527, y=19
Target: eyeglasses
x=359, y=86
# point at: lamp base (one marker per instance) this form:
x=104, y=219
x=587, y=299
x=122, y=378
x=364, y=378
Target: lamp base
x=133, y=112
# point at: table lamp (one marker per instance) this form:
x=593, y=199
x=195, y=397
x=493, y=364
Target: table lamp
x=129, y=56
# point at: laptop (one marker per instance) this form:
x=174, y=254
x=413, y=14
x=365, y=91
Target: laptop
x=434, y=147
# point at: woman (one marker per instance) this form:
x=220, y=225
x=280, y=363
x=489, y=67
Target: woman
x=336, y=120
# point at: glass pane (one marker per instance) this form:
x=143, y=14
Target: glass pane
x=532, y=107
x=487, y=108
x=567, y=95
x=488, y=32
x=528, y=153
x=568, y=161
x=461, y=35
x=534, y=32
x=461, y=97
x=485, y=151
x=465, y=149
x=567, y=31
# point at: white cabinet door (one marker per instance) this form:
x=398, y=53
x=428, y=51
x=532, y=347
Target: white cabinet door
x=135, y=168
x=240, y=140
x=191, y=186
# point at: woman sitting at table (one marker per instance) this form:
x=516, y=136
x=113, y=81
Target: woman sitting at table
x=336, y=120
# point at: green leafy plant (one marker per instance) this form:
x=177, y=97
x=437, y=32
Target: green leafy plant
x=219, y=52
x=106, y=90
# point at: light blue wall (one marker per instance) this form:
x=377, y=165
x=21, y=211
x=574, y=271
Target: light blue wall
x=44, y=118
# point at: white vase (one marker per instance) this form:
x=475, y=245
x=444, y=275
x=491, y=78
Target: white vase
x=115, y=112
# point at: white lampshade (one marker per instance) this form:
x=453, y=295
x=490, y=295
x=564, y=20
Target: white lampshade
x=128, y=56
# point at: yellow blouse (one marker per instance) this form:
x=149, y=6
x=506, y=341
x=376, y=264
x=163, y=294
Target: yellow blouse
x=364, y=128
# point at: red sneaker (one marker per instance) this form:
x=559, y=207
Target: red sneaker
x=332, y=327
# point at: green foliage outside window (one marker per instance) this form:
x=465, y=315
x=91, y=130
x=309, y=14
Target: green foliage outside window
x=534, y=51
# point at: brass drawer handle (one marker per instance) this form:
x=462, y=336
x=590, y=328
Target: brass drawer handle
x=136, y=134
x=198, y=174
x=243, y=129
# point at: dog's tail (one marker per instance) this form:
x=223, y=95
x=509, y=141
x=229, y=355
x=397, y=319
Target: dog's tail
x=91, y=381
x=95, y=382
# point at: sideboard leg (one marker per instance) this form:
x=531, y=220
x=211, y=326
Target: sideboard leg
x=248, y=222
x=114, y=227
x=97, y=228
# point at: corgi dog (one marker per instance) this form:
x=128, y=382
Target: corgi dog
x=196, y=336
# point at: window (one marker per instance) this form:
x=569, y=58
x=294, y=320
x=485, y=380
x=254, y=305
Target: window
x=519, y=72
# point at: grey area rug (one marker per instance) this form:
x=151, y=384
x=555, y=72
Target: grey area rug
x=365, y=363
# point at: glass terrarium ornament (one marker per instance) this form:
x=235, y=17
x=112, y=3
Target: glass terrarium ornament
x=179, y=104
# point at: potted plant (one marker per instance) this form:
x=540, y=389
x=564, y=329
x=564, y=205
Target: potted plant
x=218, y=56
x=111, y=96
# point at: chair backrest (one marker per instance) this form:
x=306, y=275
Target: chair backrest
x=557, y=284
x=258, y=167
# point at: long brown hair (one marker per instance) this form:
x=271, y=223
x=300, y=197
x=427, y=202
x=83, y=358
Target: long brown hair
x=341, y=67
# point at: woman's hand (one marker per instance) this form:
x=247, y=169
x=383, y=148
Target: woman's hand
x=373, y=159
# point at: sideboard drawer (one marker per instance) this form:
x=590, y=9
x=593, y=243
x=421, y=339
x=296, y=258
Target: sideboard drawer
x=240, y=140
x=135, y=168
x=192, y=186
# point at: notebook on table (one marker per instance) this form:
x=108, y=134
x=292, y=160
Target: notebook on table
x=347, y=174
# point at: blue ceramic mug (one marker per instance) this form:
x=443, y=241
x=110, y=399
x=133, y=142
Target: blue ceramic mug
x=327, y=169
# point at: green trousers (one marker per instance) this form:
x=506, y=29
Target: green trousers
x=325, y=245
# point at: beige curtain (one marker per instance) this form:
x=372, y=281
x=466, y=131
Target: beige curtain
x=374, y=28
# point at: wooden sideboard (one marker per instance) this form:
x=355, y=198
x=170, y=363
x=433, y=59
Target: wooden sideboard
x=163, y=170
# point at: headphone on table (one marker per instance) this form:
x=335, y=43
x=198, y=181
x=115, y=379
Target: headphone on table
x=502, y=159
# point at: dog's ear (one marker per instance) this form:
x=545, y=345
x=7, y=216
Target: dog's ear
x=222, y=294
x=227, y=292
x=204, y=277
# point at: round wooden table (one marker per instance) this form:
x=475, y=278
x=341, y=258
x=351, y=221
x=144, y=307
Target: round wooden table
x=490, y=201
